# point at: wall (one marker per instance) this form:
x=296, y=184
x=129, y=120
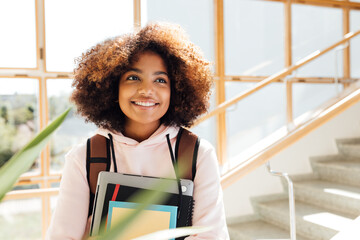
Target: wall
x=294, y=160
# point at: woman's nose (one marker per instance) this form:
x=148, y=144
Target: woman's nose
x=145, y=88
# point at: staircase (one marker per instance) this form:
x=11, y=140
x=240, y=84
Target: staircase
x=326, y=201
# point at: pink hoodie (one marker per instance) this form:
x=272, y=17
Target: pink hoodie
x=152, y=158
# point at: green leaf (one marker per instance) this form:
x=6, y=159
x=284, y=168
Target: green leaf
x=24, y=158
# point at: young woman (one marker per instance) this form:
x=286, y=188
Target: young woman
x=140, y=88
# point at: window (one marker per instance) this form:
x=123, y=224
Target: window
x=83, y=24
x=184, y=12
x=254, y=46
x=73, y=131
x=315, y=28
x=253, y=119
x=18, y=34
x=355, y=44
x=19, y=116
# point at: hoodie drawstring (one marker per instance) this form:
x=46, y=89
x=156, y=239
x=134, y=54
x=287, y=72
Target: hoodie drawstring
x=174, y=161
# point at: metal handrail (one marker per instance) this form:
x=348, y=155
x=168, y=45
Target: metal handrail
x=291, y=199
x=281, y=74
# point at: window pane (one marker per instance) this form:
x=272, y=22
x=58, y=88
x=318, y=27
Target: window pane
x=21, y=219
x=18, y=34
x=254, y=42
x=207, y=129
x=196, y=17
x=25, y=187
x=55, y=184
x=74, y=26
x=253, y=118
x=355, y=44
x=73, y=131
x=308, y=97
x=19, y=115
x=316, y=28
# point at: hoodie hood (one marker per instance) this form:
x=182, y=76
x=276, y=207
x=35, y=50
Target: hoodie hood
x=159, y=136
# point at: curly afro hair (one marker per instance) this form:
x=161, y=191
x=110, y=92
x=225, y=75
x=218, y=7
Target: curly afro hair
x=97, y=75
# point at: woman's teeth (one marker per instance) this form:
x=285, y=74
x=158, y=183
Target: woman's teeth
x=145, y=104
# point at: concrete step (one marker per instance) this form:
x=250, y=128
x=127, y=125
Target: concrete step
x=312, y=222
x=336, y=168
x=330, y=195
x=349, y=147
x=258, y=230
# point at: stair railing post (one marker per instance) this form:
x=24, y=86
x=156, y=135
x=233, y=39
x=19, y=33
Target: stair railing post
x=291, y=199
x=336, y=78
x=290, y=125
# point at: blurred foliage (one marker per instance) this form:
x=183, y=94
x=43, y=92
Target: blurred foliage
x=22, y=115
x=23, y=159
x=17, y=123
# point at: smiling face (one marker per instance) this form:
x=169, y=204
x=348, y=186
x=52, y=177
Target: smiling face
x=144, y=92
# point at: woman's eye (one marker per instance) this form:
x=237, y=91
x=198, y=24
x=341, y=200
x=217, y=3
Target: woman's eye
x=133, y=78
x=161, y=80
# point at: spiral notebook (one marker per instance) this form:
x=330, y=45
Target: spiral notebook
x=117, y=187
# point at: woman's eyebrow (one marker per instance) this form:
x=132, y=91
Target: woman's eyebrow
x=160, y=73
x=139, y=71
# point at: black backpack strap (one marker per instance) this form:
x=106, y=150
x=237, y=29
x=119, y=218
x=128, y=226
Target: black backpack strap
x=97, y=160
x=186, y=152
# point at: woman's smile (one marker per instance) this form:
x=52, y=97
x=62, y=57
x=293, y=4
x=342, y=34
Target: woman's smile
x=145, y=104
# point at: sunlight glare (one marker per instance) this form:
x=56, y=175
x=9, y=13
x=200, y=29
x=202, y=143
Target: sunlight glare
x=342, y=193
x=328, y=220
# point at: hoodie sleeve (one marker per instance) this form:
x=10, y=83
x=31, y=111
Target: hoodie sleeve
x=208, y=196
x=70, y=216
